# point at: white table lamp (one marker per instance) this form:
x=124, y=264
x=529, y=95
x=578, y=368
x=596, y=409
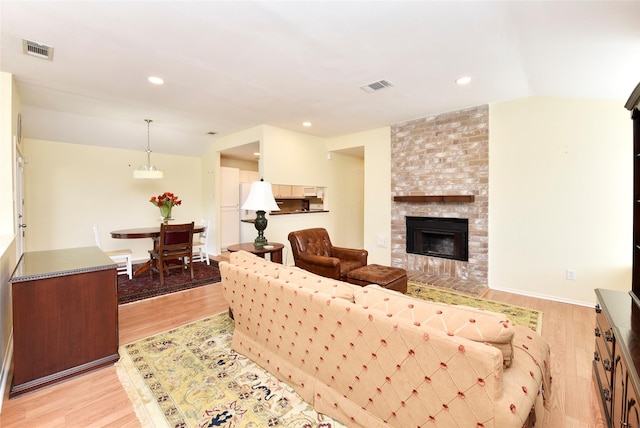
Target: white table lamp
x=261, y=200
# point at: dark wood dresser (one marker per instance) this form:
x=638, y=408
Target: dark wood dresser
x=616, y=360
x=65, y=316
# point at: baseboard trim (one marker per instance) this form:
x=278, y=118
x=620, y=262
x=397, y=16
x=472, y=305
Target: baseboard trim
x=6, y=367
x=544, y=296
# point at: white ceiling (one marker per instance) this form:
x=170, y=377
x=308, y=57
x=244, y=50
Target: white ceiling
x=229, y=66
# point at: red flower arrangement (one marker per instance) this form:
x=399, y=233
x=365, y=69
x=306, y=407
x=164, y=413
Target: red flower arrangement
x=165, y=202
x=167, y=199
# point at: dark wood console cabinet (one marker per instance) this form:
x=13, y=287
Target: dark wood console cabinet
x=616, y=359
x=65, y=316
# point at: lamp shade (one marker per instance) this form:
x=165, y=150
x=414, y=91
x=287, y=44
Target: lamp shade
x=147, y=173
x=260, y=197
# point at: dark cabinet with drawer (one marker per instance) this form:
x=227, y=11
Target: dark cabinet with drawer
x=616, y=358
x=65, y=316
x=603, y=360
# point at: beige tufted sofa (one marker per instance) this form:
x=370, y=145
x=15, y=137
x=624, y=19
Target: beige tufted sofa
x=371, y=357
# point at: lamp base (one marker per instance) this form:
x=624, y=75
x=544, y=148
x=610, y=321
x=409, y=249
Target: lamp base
x=261, y=225
x=260, y=242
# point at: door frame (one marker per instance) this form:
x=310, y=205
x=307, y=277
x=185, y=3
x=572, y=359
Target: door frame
x=19, y=212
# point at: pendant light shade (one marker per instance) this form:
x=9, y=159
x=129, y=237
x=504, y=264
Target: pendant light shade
x=148, y=171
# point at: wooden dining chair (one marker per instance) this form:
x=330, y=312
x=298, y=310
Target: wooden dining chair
x=174, y=250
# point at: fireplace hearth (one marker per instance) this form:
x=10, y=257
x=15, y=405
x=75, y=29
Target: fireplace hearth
x=438, y=237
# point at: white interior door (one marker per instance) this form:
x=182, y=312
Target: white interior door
x=229, y=207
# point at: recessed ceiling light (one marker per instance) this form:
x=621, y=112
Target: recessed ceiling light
x=307, y=124
x=463, y=80
x=155, y=80
x=256, y=154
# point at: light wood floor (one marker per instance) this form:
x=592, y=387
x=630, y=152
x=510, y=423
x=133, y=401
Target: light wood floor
x=98, y=400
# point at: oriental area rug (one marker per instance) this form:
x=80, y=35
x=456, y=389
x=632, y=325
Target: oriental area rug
x=145, y=287
x=190, y=377
x=518, y=315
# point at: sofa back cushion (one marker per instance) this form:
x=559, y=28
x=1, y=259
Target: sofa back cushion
x=332, y=287
x=255, y=263
x=474, y=324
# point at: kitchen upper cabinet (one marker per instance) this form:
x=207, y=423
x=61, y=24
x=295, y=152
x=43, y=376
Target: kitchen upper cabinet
x=297, y=191
x=288, y=191
x=281, y=190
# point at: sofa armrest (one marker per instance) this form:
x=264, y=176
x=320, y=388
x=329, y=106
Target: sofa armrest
x=351, y=254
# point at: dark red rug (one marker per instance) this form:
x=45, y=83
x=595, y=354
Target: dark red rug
x=143, y=287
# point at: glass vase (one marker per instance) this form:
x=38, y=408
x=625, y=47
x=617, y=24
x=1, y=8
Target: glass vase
x=165, y=211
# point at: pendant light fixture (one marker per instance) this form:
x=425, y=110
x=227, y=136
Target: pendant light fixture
x=148, y=170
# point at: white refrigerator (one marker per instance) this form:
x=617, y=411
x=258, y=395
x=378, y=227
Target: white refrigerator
x=245, y=188
x=229, y=207
x=247, y=230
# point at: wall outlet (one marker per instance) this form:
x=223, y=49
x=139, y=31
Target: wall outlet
x=381, y=241
x=571, y=274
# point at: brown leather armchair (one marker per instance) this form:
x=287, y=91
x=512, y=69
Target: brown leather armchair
x=312, y=251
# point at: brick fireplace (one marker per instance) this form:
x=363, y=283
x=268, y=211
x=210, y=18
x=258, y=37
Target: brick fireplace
x=447, y=154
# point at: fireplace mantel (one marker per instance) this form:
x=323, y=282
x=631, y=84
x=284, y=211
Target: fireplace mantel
x=435, y=198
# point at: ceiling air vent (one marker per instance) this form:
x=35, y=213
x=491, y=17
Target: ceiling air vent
x=376, y=86
x=37, y=50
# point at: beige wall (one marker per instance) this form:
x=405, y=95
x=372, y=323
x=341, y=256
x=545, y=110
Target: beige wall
x=291, y=157
x=376, y=225
x=240, y=164
x=560, y=197
x=347, y=203
x=9, y=108
x=69, y=187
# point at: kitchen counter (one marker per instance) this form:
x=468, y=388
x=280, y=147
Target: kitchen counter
x=278, y=213
x=297, y=212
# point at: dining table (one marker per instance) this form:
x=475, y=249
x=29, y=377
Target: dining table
x=146, y=232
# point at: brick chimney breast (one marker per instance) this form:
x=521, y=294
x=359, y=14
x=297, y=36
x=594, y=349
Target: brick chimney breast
x=447, y=154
